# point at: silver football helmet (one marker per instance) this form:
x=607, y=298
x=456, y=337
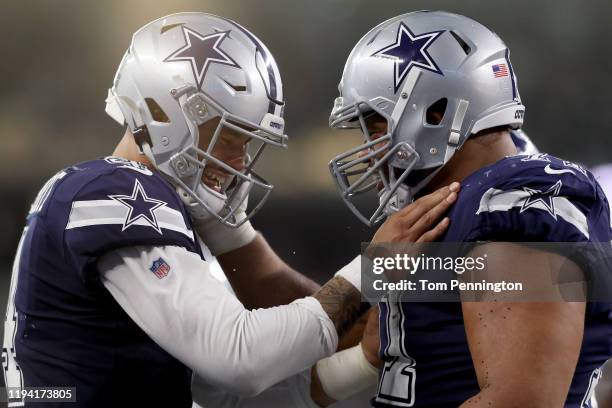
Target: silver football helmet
x=402, y=69
x=180, y=72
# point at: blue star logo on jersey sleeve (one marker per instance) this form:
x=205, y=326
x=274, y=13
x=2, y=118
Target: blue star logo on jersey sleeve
x=140, y=207
x=201, y=51
x=408, y=51
x=544, y=197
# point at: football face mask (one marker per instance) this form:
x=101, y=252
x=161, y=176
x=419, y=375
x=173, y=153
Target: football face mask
x=367, y=170
x=240, y=182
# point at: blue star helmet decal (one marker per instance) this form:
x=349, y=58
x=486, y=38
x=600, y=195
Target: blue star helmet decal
x=140, y=207
x=201, y=51
x=408, y=51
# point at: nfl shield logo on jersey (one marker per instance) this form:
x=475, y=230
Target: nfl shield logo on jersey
x=160, y=268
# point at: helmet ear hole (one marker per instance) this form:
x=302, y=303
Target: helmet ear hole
x=157, y=113
x=435, y=112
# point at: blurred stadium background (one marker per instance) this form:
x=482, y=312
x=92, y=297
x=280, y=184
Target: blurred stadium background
x=58, y=58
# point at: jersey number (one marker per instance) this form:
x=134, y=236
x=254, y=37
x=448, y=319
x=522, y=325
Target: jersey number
x=397, y=382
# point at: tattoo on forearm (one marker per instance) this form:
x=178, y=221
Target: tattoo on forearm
x=342, y=303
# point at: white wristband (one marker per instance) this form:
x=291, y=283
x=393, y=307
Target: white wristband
x=352, y=272
x=220, y=238
x=346, y=373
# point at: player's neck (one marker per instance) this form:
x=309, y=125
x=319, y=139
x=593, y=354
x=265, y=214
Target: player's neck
x=127, y=149
x=477, y=152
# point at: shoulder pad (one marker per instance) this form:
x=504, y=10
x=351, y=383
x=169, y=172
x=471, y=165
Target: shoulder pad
x=532, y=198
x=119, y=203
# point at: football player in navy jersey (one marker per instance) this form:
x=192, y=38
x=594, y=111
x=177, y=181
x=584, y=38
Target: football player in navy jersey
x=112, y=292
x=436, y=98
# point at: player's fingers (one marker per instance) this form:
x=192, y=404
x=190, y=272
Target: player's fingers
x=421, y=215
x=436, y=232
x=416, y=210
x=433, y=216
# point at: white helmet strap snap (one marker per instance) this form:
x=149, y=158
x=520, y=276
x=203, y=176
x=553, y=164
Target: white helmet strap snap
x=455, y=132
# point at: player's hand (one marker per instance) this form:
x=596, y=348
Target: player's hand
x=421, y=221
x=370, y=342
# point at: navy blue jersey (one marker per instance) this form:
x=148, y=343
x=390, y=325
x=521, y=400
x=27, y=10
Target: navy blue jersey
x=67, y=329
x=536, y=198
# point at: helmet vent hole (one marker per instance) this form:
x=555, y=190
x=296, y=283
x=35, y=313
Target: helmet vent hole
x=464, y=46
x=168, y=27
x=435, y=113
x=374, y=37
x=236, y=88
x=157, y=113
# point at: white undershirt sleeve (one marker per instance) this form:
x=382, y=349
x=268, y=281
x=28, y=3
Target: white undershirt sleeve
x=192, y=316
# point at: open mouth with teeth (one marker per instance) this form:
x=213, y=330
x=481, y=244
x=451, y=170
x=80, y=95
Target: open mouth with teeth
x=215, y=179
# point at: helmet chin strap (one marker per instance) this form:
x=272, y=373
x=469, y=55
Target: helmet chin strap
x=404, y=195
x=148, y=152
x=207, y=201
x=399, y=200
x=213, y=199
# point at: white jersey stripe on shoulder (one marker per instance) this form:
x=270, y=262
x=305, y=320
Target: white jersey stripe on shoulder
x=112, y=212
x=95, y=203
x=500, y=200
